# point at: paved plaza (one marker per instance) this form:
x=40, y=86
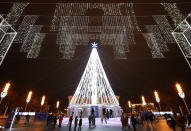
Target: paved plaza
x=111, y=126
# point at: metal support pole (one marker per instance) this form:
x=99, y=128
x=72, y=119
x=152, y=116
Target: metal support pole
x=26, y=106
x=186, y=106
x=1, y=100
x=159, y=108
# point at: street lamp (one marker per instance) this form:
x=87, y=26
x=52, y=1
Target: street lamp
x=57, y=104
x=42, y=102
x=157, y=100
x=28, y=99
x=5, y=91
x=130, y=106
x=182, y=95
x=143, y=101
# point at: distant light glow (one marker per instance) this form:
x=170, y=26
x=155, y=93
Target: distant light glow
x=29, y=97
x=26, y=113
x=43, y=100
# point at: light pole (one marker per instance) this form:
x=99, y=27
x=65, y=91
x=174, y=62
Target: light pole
x=5, y=91
x=42, y=102
x=57, y=105
x=182, y=95
x=28, y=99
x=157, y=100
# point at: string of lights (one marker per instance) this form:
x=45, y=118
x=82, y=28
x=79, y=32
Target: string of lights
x=153, y=45
x=7, y=35
x=158, y=37
x=36, y=45
x=174, y=12
x=165, y=28
x=24, y=27
x=27, y=44
x=15, y=12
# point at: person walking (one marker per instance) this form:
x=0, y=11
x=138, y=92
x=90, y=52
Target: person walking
x=90, y=121
x=172, y=122
x=111, y=113
x=48, y=121
x=75, y=122
x=70, y=122
x=27, y=119
x=133, y=122
x=93, y=121
x=80, y=124
x=54, y=121
x=122, y=121
x=92, y=111
x=189, y=120
x=182, y=122
x=60, y=121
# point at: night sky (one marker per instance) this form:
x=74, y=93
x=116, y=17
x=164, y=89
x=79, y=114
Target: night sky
x=138, y=75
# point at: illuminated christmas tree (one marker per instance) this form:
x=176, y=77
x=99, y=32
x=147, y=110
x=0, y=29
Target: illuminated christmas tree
x=94, y=88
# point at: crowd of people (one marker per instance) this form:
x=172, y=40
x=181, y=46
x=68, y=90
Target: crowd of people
x=178, y=120
x=128, y=120
x=173, y=121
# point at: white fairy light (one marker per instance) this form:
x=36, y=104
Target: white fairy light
x=130, y=12
x=159, y=39
x=182, y=35
x=36, y=45
x=15, y=12
x=174, y=12
x=7, y=35
x=165, y=28
x=94, y=87
x=24, y=27
x=153, y=45
x=74, y=28
x=27, y=44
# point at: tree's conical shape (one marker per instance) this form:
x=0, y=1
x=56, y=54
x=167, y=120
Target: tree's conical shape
x=94, y=88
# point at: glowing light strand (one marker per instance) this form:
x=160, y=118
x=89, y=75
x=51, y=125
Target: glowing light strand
x=24, y=27
x=27, y=44
x=159, y=39
x=7, y=35
x=182, y=36
x=36, y=45
x=174, y=12
x=153, y=45
x=15, y=12
x=71, y=36
x=165, y=28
